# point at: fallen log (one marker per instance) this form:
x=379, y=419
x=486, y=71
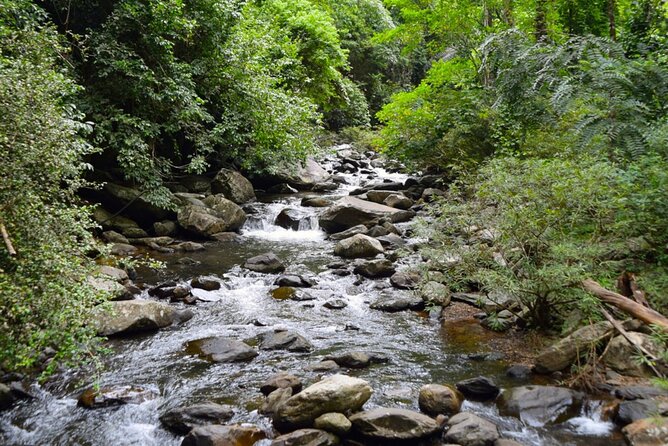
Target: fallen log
x=626, y=305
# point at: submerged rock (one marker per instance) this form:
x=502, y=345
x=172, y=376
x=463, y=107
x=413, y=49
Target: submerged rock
x=182, y=420
x=221, y=349
x=94, y=398
x=337, y=393
x=389, y=424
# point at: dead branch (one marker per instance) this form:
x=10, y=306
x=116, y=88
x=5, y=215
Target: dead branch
x=8, y=241
x=638, y=311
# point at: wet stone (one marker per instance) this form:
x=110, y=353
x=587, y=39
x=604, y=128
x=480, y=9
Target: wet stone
x=205, y=283
x=357, y=359
x=324, y=366
x=306, y=437
x=335, y=304
x=115, y=396
x=281, y=381
x=284, y=340
x=182, y=420
x=221, y=349
x=217, y=435
x=480, y=388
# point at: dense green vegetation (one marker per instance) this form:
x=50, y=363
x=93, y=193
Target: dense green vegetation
x=550, y=116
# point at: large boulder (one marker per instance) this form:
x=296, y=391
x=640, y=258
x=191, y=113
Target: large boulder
x=306, y=437
x=359, y=245
x=630, y=411
x=265, y=263
x=467, y=429
x=219, y=215
x=221, y=349
x=435, y=399
x=234, y=186
x=350, y=211
x=386, y=424
x=565, y=352
x=95, y=398
x=182, y=420
x=132, y=202
x=647, y=432
x=539, y=405
x=132, y=316
x=290, y=218
x=620, y=350
x=217, y=435
x=336, y=393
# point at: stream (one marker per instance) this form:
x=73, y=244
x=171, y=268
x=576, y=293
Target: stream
x=419, y=348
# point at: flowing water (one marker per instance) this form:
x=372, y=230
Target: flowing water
x=419, y=348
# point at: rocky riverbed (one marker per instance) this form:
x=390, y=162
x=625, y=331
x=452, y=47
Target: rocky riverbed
x=313, y=325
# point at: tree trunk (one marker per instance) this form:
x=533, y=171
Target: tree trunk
x=508, y=13
x=540, y=22
x=625, y=304
x=612, y=9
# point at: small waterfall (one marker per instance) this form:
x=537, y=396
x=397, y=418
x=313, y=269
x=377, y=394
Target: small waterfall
x=263, y=224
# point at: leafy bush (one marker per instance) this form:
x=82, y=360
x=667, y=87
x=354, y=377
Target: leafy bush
x=536, y=228
x=44, y=298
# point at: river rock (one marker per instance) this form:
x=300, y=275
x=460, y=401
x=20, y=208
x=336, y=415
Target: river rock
x=435, y=293
x=187, y=199
x=356, y=359
x=132, y=316
x=116, y=197
x=435, y=399
x=221, y=349
x=306, y=437
x=109, y=286
x=565, y=352
x=375, y=268
x=398, y=201
x=165, y=228
x=323, y=366
x=620, y=350
x=639, y=392
x=359, y=229
x=284, y=340
x=336, y=393
x=94, y=398
x=391, y=241
x=265, y=263
x=377, y=231
x=390, y=302
x=335, y=304
x=281, y=381
x=207, y=221
x=333, y=422
x=316, y=202
x=405, y=280
x=218, y=435
x=358, y=246
x=234, y=186
x=191, y=246
x=378, y=196
x=389, y=424
x=647, y=432
x=182, y=420
x=630, y=411
x=467, y=429
x=293, y=280
x=539, y=405
x=290, y=218
x=430, y=194
x=350, y=211
x=205, y=283
x=123, y=250
x=274, y=400
x=115, y=237
x=479, y=388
